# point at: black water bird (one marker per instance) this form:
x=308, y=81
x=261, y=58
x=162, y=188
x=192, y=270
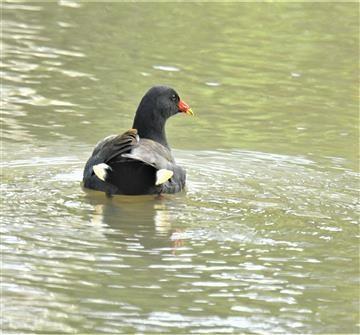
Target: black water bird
x=140, y=161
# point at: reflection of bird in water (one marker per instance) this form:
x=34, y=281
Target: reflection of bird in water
x=142, y=218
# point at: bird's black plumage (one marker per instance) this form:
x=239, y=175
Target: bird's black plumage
x=129, y=163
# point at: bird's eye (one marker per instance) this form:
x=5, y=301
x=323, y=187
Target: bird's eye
x=173, y=97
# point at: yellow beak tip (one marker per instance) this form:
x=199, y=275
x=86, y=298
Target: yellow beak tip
x=190, y=112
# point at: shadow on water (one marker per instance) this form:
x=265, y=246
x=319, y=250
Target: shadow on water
x=145, y=219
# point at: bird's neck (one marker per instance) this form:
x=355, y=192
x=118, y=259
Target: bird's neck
x=151, y=128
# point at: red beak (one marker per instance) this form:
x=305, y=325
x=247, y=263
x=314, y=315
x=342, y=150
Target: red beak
x=184, y=108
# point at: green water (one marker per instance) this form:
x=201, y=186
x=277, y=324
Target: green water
x=265, y=238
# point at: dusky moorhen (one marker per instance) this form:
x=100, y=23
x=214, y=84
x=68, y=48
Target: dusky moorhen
x=140, y=161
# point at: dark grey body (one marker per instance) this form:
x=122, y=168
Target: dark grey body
x=133, y=163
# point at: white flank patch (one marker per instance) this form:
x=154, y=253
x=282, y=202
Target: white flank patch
x=163, y=176
x=101, y=170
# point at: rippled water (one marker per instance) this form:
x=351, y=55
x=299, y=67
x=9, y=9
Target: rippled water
x=264, y=239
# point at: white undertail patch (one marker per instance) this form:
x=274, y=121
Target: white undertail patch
x=163, y=176
x=100, y=170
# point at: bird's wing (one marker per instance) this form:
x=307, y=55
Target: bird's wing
x=128, y=146
x=112, y=147
x=151, y=153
